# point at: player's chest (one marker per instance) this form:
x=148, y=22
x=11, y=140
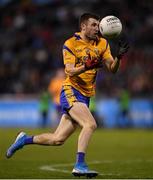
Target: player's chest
x=84, y=50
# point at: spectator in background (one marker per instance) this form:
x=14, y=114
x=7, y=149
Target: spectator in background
x=54, y=89
x=44, y=107
x=124, y=99
x=93, y=110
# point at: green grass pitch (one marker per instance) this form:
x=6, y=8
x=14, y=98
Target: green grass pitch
x=116, y=154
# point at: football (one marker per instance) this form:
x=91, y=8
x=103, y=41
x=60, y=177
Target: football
x=110, y=26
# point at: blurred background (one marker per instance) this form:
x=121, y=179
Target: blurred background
x=32, y=33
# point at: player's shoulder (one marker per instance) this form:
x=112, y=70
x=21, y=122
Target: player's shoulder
x=103, y=40
x=69, y=42
x=72, y=40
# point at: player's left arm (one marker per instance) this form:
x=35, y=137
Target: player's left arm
x=114, y=64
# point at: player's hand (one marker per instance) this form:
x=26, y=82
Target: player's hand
x=92, y=63
x=123, y=48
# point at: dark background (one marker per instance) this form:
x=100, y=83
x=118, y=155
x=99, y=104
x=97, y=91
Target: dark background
x=32, y=33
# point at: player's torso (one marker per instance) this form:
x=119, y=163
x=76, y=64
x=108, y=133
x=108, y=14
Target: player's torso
x=85, y=82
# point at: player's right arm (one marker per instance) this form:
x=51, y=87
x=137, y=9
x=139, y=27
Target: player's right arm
x=71, y=70
x=70, y=61
x=69, y=58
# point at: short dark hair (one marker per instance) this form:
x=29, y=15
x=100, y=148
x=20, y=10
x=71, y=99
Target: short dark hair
x=84, y=17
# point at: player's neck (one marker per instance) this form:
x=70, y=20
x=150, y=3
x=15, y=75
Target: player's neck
x=85, y=38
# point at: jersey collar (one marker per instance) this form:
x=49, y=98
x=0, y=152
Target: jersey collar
x=78, y=37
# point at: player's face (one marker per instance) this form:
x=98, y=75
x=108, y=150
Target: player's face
x=92, y=29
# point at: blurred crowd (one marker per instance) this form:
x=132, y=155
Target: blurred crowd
x=32, y=33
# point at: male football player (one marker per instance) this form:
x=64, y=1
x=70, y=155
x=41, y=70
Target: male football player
x=83, y=54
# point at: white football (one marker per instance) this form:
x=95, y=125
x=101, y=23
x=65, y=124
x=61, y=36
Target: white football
x=110, y=27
